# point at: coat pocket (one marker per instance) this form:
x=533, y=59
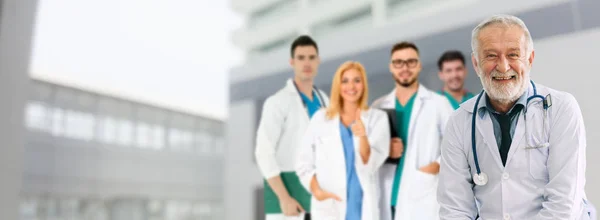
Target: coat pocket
x=424, y=186
x=538, y=159
x=327, y=209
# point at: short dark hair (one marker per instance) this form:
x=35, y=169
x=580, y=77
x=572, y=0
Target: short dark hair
x=450, y=55
x=303, y=40
x=404, y=45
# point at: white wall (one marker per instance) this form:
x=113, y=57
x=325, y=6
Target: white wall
x=570, y=63
x=241, y=173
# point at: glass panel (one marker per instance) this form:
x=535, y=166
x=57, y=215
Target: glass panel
x=125, y=132
x=143, y=135
x=29, y=209
x=80, y=125
x=201, y=209
x=108, y=130
x=36, y=116
x=58, y=125
x=150, y=136
x=203, y=143
x=158, y=137
x=181, y=140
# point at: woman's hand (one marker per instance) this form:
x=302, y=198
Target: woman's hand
x=321, y=195
x=358, y=128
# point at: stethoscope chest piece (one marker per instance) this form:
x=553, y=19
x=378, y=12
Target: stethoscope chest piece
x=480, y=179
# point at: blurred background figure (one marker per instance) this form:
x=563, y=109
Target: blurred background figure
x=453, y=73
x=285, y=116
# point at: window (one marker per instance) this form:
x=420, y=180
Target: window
x=150, y=136
x=125, y=132
x=143, y=135
x=203, y=143
x=176, y=210
x=157, y=137
x=201, y=209
x=58, y=125
x=180, y=140
x=37, y=116
x=79, y=125
x=108, y=132
x=36, y=208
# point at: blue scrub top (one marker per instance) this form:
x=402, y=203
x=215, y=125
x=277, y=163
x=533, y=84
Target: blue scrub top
x=354, y=190
x=312, y=106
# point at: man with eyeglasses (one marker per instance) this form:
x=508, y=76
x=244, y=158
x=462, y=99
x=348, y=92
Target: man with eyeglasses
x=417, y=118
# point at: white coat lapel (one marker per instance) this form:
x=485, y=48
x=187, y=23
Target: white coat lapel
x=422, y=95
x=486, y=129
x=389, y=101
x=299, y=105
x=520, y=130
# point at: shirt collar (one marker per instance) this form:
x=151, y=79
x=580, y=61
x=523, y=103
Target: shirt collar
x=484, y=104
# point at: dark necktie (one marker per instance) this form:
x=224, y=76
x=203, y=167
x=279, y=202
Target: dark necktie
x=504, y=121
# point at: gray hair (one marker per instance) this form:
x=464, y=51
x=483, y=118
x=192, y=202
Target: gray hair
x=507, y=20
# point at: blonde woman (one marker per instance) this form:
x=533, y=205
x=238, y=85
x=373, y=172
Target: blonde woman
x=342, y=149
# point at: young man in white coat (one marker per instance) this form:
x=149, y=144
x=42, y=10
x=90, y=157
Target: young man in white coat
x=517, y=150
x=284, y=118
x=409, y=178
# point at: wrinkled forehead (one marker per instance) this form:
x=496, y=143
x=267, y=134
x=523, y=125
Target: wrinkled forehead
x=502, y=37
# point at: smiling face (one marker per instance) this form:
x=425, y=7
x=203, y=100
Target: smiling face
x=503, y=61
x=453, y=75
x=352, y=85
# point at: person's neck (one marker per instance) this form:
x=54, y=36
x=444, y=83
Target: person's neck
x=349, y=107
x=502, y=107
x=348, y=113
x=305, y=86
x=403, y=94
x=456, y=94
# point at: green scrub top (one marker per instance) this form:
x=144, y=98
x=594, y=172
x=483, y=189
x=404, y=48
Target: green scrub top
x=455, y=103
x=403, y=120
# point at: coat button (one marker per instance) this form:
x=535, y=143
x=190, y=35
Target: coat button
x=506, y=216
x=505, y=176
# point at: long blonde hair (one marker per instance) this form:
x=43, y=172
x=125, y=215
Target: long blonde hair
x=336, y=102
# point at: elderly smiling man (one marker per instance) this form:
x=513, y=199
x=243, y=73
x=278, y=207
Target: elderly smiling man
x=517, y=150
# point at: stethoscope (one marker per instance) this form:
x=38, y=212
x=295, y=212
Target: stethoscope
x=481, y=178
x=321, y=100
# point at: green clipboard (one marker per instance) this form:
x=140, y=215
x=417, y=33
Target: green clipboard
x=291, y=181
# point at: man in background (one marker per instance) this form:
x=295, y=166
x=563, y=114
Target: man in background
x=284, y=119
x=453, y=73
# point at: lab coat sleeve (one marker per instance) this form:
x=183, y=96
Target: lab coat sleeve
x=455, y=194
x=305, y=161
x=379, y=140
x=564, y=192
x=267, y=137
x=445, y=111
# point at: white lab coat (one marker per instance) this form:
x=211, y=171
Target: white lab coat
x=282, y=124
x=539, y=183
x=416, y=196
x=322, y=154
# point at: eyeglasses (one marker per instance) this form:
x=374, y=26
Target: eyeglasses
x=398, y=63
